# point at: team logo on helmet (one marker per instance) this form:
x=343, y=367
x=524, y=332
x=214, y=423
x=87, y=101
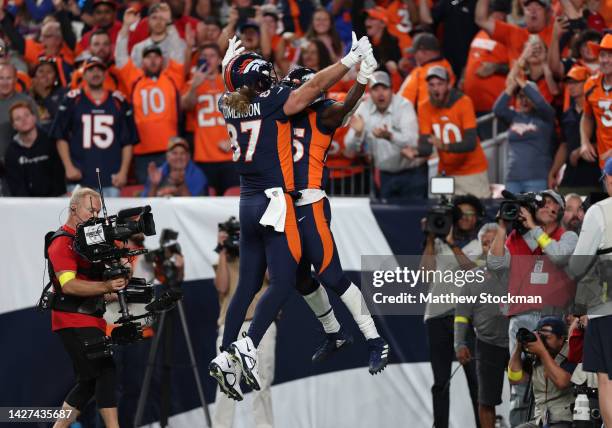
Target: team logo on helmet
x=249, y=70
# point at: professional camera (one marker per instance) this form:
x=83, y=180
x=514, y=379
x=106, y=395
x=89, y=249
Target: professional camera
x=439, y=220
x=166, y=271
x=232, y=243
x=586, y=413
x=510, y=209
x=524, y=336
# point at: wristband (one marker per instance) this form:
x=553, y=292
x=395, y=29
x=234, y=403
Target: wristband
x=463, y=320
x=543, y=240
x=514, y=376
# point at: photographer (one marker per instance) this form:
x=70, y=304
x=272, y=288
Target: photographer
x=226, y=281
x=77, y=312
x=457, y=251
x=595, y=239
x=491, y=327
x=550, y=375
x=530, y=273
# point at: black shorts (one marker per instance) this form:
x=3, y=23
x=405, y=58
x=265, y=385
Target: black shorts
x=597, y=356
x=84, y=368
x=491, y=363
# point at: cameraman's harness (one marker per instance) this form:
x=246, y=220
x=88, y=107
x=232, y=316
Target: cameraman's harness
x=68, y=303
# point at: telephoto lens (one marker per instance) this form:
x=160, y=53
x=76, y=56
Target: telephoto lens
x=582, y=412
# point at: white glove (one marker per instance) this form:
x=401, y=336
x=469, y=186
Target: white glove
x=359, y=50
x=233, y=49
x=366, y=69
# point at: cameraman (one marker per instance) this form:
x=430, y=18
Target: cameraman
x=550, y=376
x=532, y=274
x=226, y=281
x=77, y=313
x=595, y=238
x=457, y=251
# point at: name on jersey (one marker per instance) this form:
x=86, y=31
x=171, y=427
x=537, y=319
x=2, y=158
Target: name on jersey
x=230, y=113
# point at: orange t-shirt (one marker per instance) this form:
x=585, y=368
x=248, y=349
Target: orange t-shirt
x=112, y=82
x=515, y=37
x=598, y=103
x=156, y=105
x=449, y=124
x=414, y=88
x=210, y=129
x=484, y=91
x=340, y=166
x=34, y=50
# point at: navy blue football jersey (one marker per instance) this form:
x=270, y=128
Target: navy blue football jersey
x=311, y=140
x=261, y=140
x=96, y=134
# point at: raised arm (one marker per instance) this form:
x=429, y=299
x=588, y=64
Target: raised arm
x=482, y=17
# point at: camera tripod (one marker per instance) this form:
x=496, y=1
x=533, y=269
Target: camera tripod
x=165, y=331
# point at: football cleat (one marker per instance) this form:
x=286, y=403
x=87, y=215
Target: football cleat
x=333, y=342
x=379, y=355
x=227, y=374
x=245, y=354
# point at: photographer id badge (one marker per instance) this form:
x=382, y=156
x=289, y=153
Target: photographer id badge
x=537, y=276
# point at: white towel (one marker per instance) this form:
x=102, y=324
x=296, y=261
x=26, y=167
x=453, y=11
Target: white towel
x=277, y=209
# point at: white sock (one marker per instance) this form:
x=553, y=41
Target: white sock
x=353, y=299
x=319, y=303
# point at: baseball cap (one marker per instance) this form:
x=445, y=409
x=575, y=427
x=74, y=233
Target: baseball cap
x=557, y=325
x=94, y=61
x=424, y=42
x=154, y=48
x=606, y=43
x=111, y=3
x=557, y=197
x=437, y=71
x=177, y=141
x=543, y=3
x=378, y=13
x=578, y=73
x=380, y=78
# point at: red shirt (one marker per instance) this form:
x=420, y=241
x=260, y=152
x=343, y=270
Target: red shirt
x=113, y=32
x=64, y=258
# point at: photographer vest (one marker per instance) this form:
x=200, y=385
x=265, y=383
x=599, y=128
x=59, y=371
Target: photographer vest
x=550, y=398
x=59, y=301
x=533, y=274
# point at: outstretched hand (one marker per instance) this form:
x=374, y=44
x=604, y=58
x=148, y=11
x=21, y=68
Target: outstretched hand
x=233, y=49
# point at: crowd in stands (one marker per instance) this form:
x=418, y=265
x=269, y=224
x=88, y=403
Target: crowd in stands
x=132, y=88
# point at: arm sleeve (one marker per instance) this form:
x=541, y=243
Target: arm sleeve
x=468, y=144
x=559, y=251
x=121, y=51
x=176, y=45
x=502, y=109
x=542, y=107
x=61, y=256
x=503, y=32
x=496, y=263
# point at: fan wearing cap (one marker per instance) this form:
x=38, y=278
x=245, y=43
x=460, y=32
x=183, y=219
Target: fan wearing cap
x=94, y=129
x=538, y=20
x=153, y=88
x=550, y=376
x=104, y=13
x=101, y=46
x=597, y=115
x=594, y=240
x=426, y=51
x=385, y=127
x=487, y=65
x=447, y=121
x=177, y=176
x=580, y=176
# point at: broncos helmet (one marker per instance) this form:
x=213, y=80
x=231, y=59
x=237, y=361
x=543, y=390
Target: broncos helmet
x=297, y=77
x=251, y=70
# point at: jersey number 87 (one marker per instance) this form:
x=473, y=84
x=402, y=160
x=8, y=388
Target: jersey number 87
x=252, y=127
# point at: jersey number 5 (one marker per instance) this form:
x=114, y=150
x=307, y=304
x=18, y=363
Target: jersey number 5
x=98, y=129
x=252, y=127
